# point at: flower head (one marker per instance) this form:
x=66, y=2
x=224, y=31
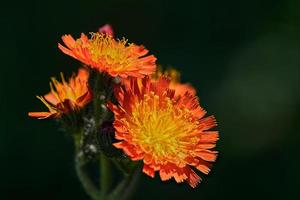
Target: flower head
x=65, y=97
x=175, y=84
x=106, y=54
x=168, y=132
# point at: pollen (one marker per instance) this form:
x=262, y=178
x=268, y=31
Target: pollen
x=161, y=128
x=103, y=45
x=116, y=54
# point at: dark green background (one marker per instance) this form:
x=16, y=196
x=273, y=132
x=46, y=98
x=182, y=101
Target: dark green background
x=243, y=56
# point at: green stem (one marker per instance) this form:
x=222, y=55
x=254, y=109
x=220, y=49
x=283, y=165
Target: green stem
x=105, y=176
x=119, y=167
x=132, y=186
x=123, y=190
x=86, y=182
x=126, y=187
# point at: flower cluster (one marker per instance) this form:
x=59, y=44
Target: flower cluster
x=156, y=119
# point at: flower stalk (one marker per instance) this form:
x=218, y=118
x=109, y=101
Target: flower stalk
x=85, y=180
x=122, y=191
x=105, y=175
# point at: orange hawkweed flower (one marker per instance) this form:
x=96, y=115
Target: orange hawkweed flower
x=175, y=84
x=65, y=97
x=116, y=57
x=168, y=132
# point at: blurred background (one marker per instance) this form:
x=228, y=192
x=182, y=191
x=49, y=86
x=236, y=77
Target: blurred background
x=242, y=56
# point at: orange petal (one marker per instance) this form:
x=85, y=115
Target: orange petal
x=208, y=123
x=209, y=136
x=148, y=170
x=208, y=155
x=41, y=115
x=51, y=98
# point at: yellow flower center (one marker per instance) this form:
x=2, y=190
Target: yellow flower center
x=161, y=129
x=63, y=90
x=110, y=52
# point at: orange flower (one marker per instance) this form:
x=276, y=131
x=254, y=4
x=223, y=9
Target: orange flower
x=65, y=97
x=180, y=88
x=104, y=53
x=168, y=132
